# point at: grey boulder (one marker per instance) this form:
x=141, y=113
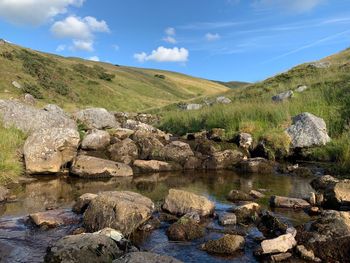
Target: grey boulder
x=96, y=118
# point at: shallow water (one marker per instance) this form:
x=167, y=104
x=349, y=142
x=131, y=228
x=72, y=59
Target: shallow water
x=22, y=242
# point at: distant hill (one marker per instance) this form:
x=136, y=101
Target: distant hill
x=74, y=83
x=233, y=84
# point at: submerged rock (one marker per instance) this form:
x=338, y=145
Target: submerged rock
x=54, y=218
x=181, y=202
x=92, y=167
x=238, y=195
x=124, y=211
x=47, y=150
x=82, y=248
x=96, y=118
x=146, y=257
x=307, y=131
x=228, y=244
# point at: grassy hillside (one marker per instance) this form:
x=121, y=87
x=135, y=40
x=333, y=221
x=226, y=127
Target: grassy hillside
x=233, y=84
x=74, y=83
x=253, y=111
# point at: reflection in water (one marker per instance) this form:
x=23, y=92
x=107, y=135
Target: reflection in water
x=24, y=241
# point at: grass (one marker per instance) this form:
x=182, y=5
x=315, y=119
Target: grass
x=10, y=165
x=253, y=111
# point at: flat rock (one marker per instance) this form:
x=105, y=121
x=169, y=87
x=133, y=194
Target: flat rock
x=180, y=202
x=92, y=167
x=308, y=130
x=288, y=202
x=54, y=218
x=47, y=150
x=280, y=244
x=121, y=210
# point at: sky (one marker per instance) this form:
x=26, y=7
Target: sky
x=245, y=40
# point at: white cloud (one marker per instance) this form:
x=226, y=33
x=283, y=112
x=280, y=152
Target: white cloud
x=297, y=6
x=162, y=54
x=170, y=40
x=61, y=48
x=34, y=12
x=94, y=58
x=81, y=30
x=212, y=37
x=170, y=31
x=85, y=45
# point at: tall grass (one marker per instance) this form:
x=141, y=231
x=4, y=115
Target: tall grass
x=10, y=164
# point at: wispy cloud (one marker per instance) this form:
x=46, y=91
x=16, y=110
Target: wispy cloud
x=213, y=25
x=310, y=45
x=293, y=6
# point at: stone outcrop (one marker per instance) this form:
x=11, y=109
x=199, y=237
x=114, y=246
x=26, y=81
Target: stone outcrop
x=148, y=144
x=121, y=210
x=180, y=202
x=92, y=167
x=96, y=118
x=307, y=131
x=47, y=150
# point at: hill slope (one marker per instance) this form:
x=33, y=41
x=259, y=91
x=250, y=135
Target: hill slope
x=253, y=111
x=73, y=83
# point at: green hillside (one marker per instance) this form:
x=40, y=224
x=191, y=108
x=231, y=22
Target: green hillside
x=253, y=111
x=73, y=83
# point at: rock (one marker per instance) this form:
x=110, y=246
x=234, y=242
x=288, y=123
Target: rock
x=223, y=160
x=47, y=150
x=176, y=151
x=146, y=128
x=238, y=195
x=323, y=182
x=193, y=106
x=247, y=213
x=206, y=147
x=122, y=133
x=125, y=151
x=29, y=99
x=86, y=247
x=305, y=254
x=288, y=202
x=283, y=96
x=193, y=163
x=52, y=108
x=145, y=257
x=307, y=131
x=301, y=88
x=223, y=100
x=142, y=166
x=181, y=202
x=312, y=198
x=256, y=165
x=121, y=210
x=96, y=118
x=226, y=245
x=4, y=193
x=16, y=84
x=245, y=140
x=92, y=167
x=202, y=135
x=216, y=135
x=281, y=257
x=83, y=202
x=96, y=140
x=54, y=218
x=256, y=194
x=228, y=219
x=271, y=226
x=280, y=244
x=148, y=145
x=29, y=119
x=321, y=64
x=185, y=229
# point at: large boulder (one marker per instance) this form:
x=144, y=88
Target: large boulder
x=47, y=150
x=96, y=140
x=124, y=211
x=223, y=160
x=125, y=151
x=146, y=257
x=92, y=167
x=29, y=119
x=96, y=118
x=283, y=96
x=307, y=131
x=83, y=202
x=279, y=244
x=176, y=151
x=53, y=108
x=226, y=245
x=87, y=247
x=152, y=166
x=180, y=202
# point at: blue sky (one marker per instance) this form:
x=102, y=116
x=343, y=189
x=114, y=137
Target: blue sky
x=246, y=40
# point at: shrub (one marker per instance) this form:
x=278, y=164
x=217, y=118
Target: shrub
x=7, y=55
x=33, y=90
x=159, y=76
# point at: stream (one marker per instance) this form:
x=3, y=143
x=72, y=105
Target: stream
x=21, y=241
